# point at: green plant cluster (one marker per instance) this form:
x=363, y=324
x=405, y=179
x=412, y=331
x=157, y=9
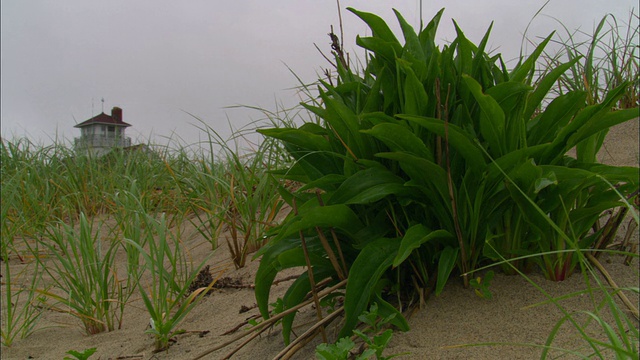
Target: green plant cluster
x=374, y=336
x=434, y=160
x=70, y=216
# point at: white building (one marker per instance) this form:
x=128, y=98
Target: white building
x=102, y=133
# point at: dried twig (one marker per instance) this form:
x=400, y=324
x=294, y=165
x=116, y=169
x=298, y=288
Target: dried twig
x=237, y=327
x=337, y=49
x=308, y=335
x=341, y=271
x=312, y=281
x=621, y=295
x=272, y=320
x=454, y=207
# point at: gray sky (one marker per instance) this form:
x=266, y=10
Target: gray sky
x=160, y=59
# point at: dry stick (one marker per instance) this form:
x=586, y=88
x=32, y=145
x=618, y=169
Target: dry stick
x=229, y=355
x=295, y=349
x=337, y=243
x=325, y=57
x=237, y=327
x=272, y=320
x=344, y=143
x=612, y=225
x=630, y=228
x=286, y=353
x=345, y=61
x=613, y=284
x=454, y=206
x=329, y=251
x=312, y=281
x=337, y=48
x=332, y=256
x=610, y=230
x=252, y=286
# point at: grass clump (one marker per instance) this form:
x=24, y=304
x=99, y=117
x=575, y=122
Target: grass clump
x=166, y=294
x=84, y=275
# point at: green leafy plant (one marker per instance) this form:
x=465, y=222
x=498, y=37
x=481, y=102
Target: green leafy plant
x=339, y=350
x=373, y=336
x=481, y=285
x=433, y=160
x=77, y=355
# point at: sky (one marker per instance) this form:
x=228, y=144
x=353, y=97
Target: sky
x=169, y=63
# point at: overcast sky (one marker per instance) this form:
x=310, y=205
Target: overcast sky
x=160, y=60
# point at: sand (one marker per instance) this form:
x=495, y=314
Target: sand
x=457, y=317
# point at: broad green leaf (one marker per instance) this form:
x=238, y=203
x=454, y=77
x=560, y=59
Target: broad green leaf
x=303, y=139
x=353, y=189
x=509, y=95
x=399, y=138
x=327, y=183
x=378, y=192
x=422, y=172
x=365, y=272
x=383, y=49
x=412, y=42
x=377, y=25
x=607, y=121
x=589, y=114
x=525, y=69
x=428, y=35
x=543, y=87
x=458, y=139
x=447, y=262
x=296, y=293
x=336, y=216
x=416, y=100
x=374, y=99
x=612, y=173
x=464, y=51
x=557, y=115
x=414, y=238
x=492, y=120
x=278, y=256
x=345, y=124
x=385, y=310
x=543, y=182
x=310, y=166
x=479, y=67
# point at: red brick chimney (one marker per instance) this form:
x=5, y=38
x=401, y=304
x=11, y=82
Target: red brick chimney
x=116, y=114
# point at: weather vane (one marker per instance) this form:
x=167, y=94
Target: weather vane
x=102, y=104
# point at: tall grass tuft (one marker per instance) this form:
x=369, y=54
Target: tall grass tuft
x=605, y=59
x=20, y=303
x=84, y=272
x=170, y=273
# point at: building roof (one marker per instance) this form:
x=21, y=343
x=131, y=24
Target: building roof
x=103, y=119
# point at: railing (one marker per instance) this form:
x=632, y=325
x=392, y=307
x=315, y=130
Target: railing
x=101, y=141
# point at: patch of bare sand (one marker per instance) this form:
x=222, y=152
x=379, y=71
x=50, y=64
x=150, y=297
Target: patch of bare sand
x=455, y=317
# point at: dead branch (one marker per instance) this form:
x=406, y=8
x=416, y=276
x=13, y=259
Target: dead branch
x=272, y=320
